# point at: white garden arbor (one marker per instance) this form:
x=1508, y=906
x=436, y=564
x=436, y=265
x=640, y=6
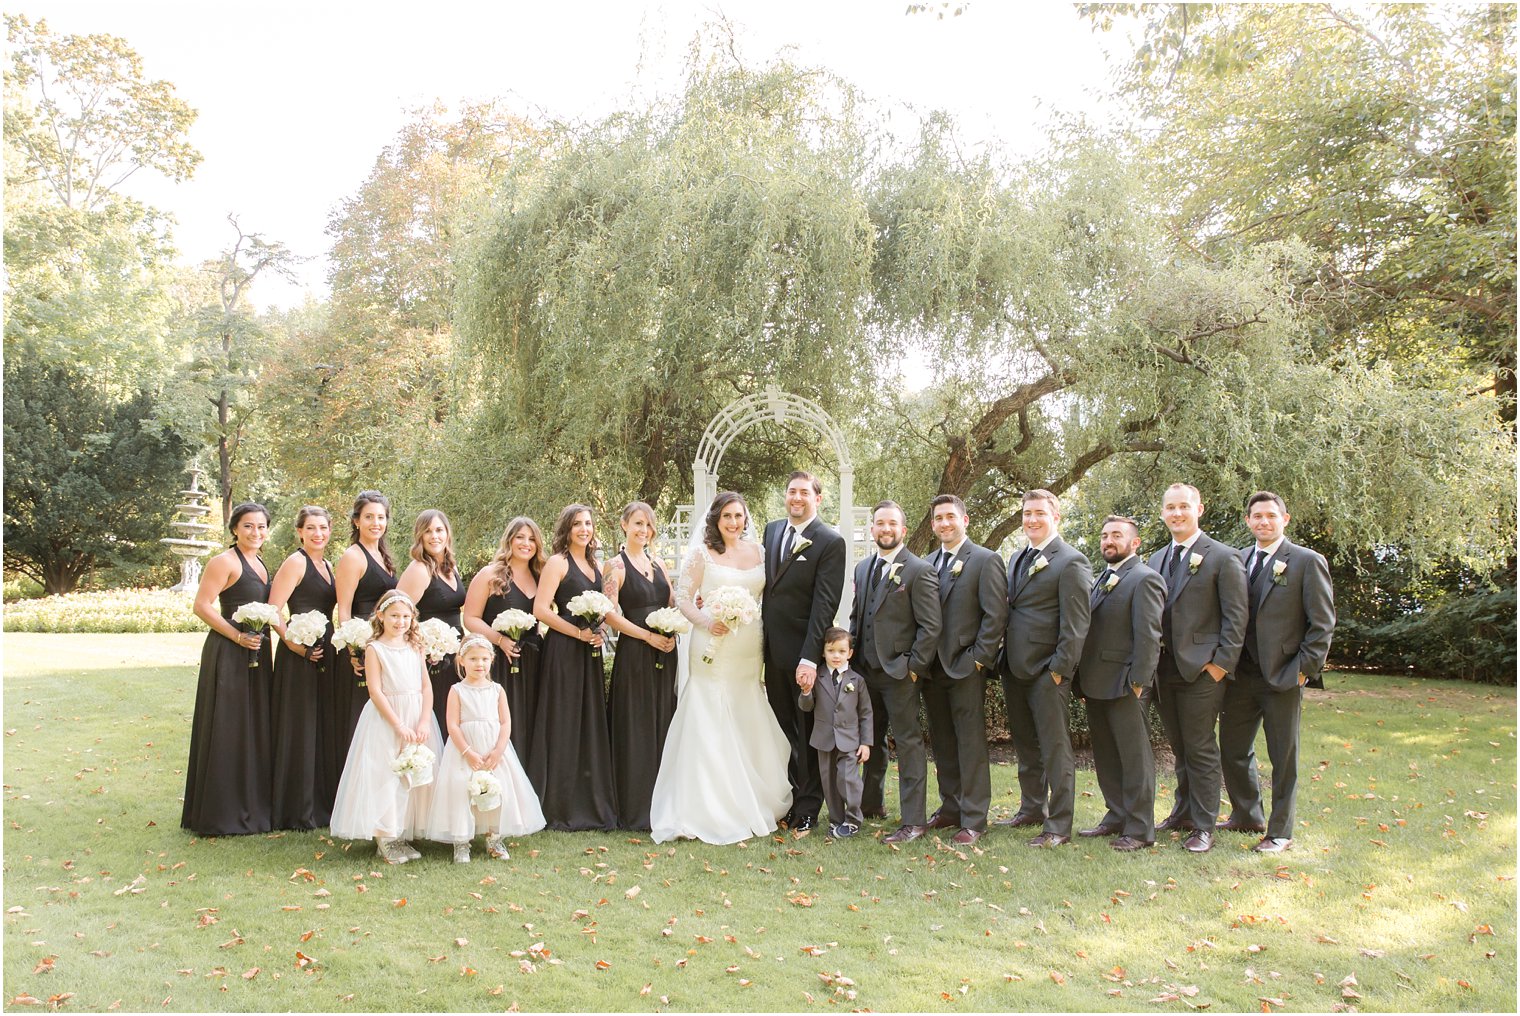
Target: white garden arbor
x=779, y=407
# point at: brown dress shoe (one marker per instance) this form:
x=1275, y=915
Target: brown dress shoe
x=1023, y=818
x=1200, y=842
x=965, y=838
x=1049, y=840
x=1128, y=843
x=904, y=834
x=939, y=820
x=1100, y=830
x=1174, y=822
x=1273, y=845
x=1230, y=825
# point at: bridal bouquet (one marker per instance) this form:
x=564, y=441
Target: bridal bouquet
x=306, y=629
x=592, y=606
x=666, y=621
x=485, y=791
x=513, y=623
x=439, y=638
x=352, y=634
x=255, y=616
x=414, y=764
x=734, y=606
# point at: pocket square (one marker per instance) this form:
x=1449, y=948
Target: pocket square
x=801, y=557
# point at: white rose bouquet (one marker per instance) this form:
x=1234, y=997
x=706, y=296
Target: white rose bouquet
x=306, y=629
x=414, y=764
x=485, y=790
x=439, y=638
x=734, y=606
x=666, y=621
x=254, y=616
x=592, y=606
x=514, y=623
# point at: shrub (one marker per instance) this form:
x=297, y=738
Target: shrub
x=114, y=610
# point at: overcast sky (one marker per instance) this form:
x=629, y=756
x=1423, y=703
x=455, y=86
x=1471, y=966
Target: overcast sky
x=297, y=99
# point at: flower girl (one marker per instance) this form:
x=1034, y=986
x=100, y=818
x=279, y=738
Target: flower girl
x=481, y=786
x=384, y=789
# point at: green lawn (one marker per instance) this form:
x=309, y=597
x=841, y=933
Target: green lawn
x=1399, y=896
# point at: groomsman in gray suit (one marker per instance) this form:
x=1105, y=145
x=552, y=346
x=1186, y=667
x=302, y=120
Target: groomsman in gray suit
x=1048, y=608
x=973, y=603
x=1287, y=639
x=1202, y=631
x=894, y=627
x=1118, y=664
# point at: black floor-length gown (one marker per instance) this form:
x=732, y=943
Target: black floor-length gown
x=570, y=757
x=228, y=782
x=441, y=601
x=522, y=687
x=300, y=751
x=349, y=693
x=642, y=699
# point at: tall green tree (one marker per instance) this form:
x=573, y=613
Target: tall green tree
x=640, y=272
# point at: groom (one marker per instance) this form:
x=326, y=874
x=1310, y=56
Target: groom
x=804, y=578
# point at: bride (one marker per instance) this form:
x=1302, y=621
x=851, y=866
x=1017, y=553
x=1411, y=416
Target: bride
x=723, y=772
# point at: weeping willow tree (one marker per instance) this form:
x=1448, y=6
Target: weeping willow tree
x=637, y=274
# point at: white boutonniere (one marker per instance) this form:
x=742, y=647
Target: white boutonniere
x=1278, y=568
x=803, y=543
x=1195, y=561
x=850, y=686
x=955, y=569
x=1113, y=580
x=1040, y=564
x=892, y=573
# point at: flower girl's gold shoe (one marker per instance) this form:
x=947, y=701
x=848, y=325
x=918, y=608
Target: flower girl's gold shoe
x=497, y=849
x=390, y=851
x=461, y=853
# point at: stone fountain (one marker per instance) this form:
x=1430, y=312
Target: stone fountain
x=190, y=521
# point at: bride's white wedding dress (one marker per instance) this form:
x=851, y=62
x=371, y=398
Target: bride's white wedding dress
x=722, y=776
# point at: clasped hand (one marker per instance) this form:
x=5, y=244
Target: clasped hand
x=412, y=735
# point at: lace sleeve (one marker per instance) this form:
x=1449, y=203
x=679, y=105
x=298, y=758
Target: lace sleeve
x=692, y=570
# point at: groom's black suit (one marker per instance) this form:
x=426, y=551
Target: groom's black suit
x=802, y=591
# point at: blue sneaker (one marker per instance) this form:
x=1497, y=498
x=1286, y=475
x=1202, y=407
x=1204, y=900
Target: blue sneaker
x=844, y=829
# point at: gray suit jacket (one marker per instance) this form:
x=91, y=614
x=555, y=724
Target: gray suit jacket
x=844, y=720
x=904, y=615
x=1207, y=610
x=1292, y=615
x=1047, y=613
x=1124, y=638
x=974, y=607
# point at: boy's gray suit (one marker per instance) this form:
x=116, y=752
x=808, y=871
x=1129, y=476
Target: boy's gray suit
x=842, y=722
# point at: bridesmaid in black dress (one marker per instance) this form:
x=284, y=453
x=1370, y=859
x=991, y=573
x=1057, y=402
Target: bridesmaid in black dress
x=301, y=673
x=642, y=699
x=432, y=581
x=510, y=582
x=227, y=780
x=365, y=573
x=570, y=758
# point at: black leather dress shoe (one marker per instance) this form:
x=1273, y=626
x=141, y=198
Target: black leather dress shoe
x=1023, y=818
x=1200, y=842
x=1126, y=844
x=804, y=824
x=1100, y=830
x=876, y=813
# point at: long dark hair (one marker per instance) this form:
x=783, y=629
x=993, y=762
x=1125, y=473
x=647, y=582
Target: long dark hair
x=562, y=526
x=372, y=497
x=446, y=567
x=710, y=534
x=501, y=564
